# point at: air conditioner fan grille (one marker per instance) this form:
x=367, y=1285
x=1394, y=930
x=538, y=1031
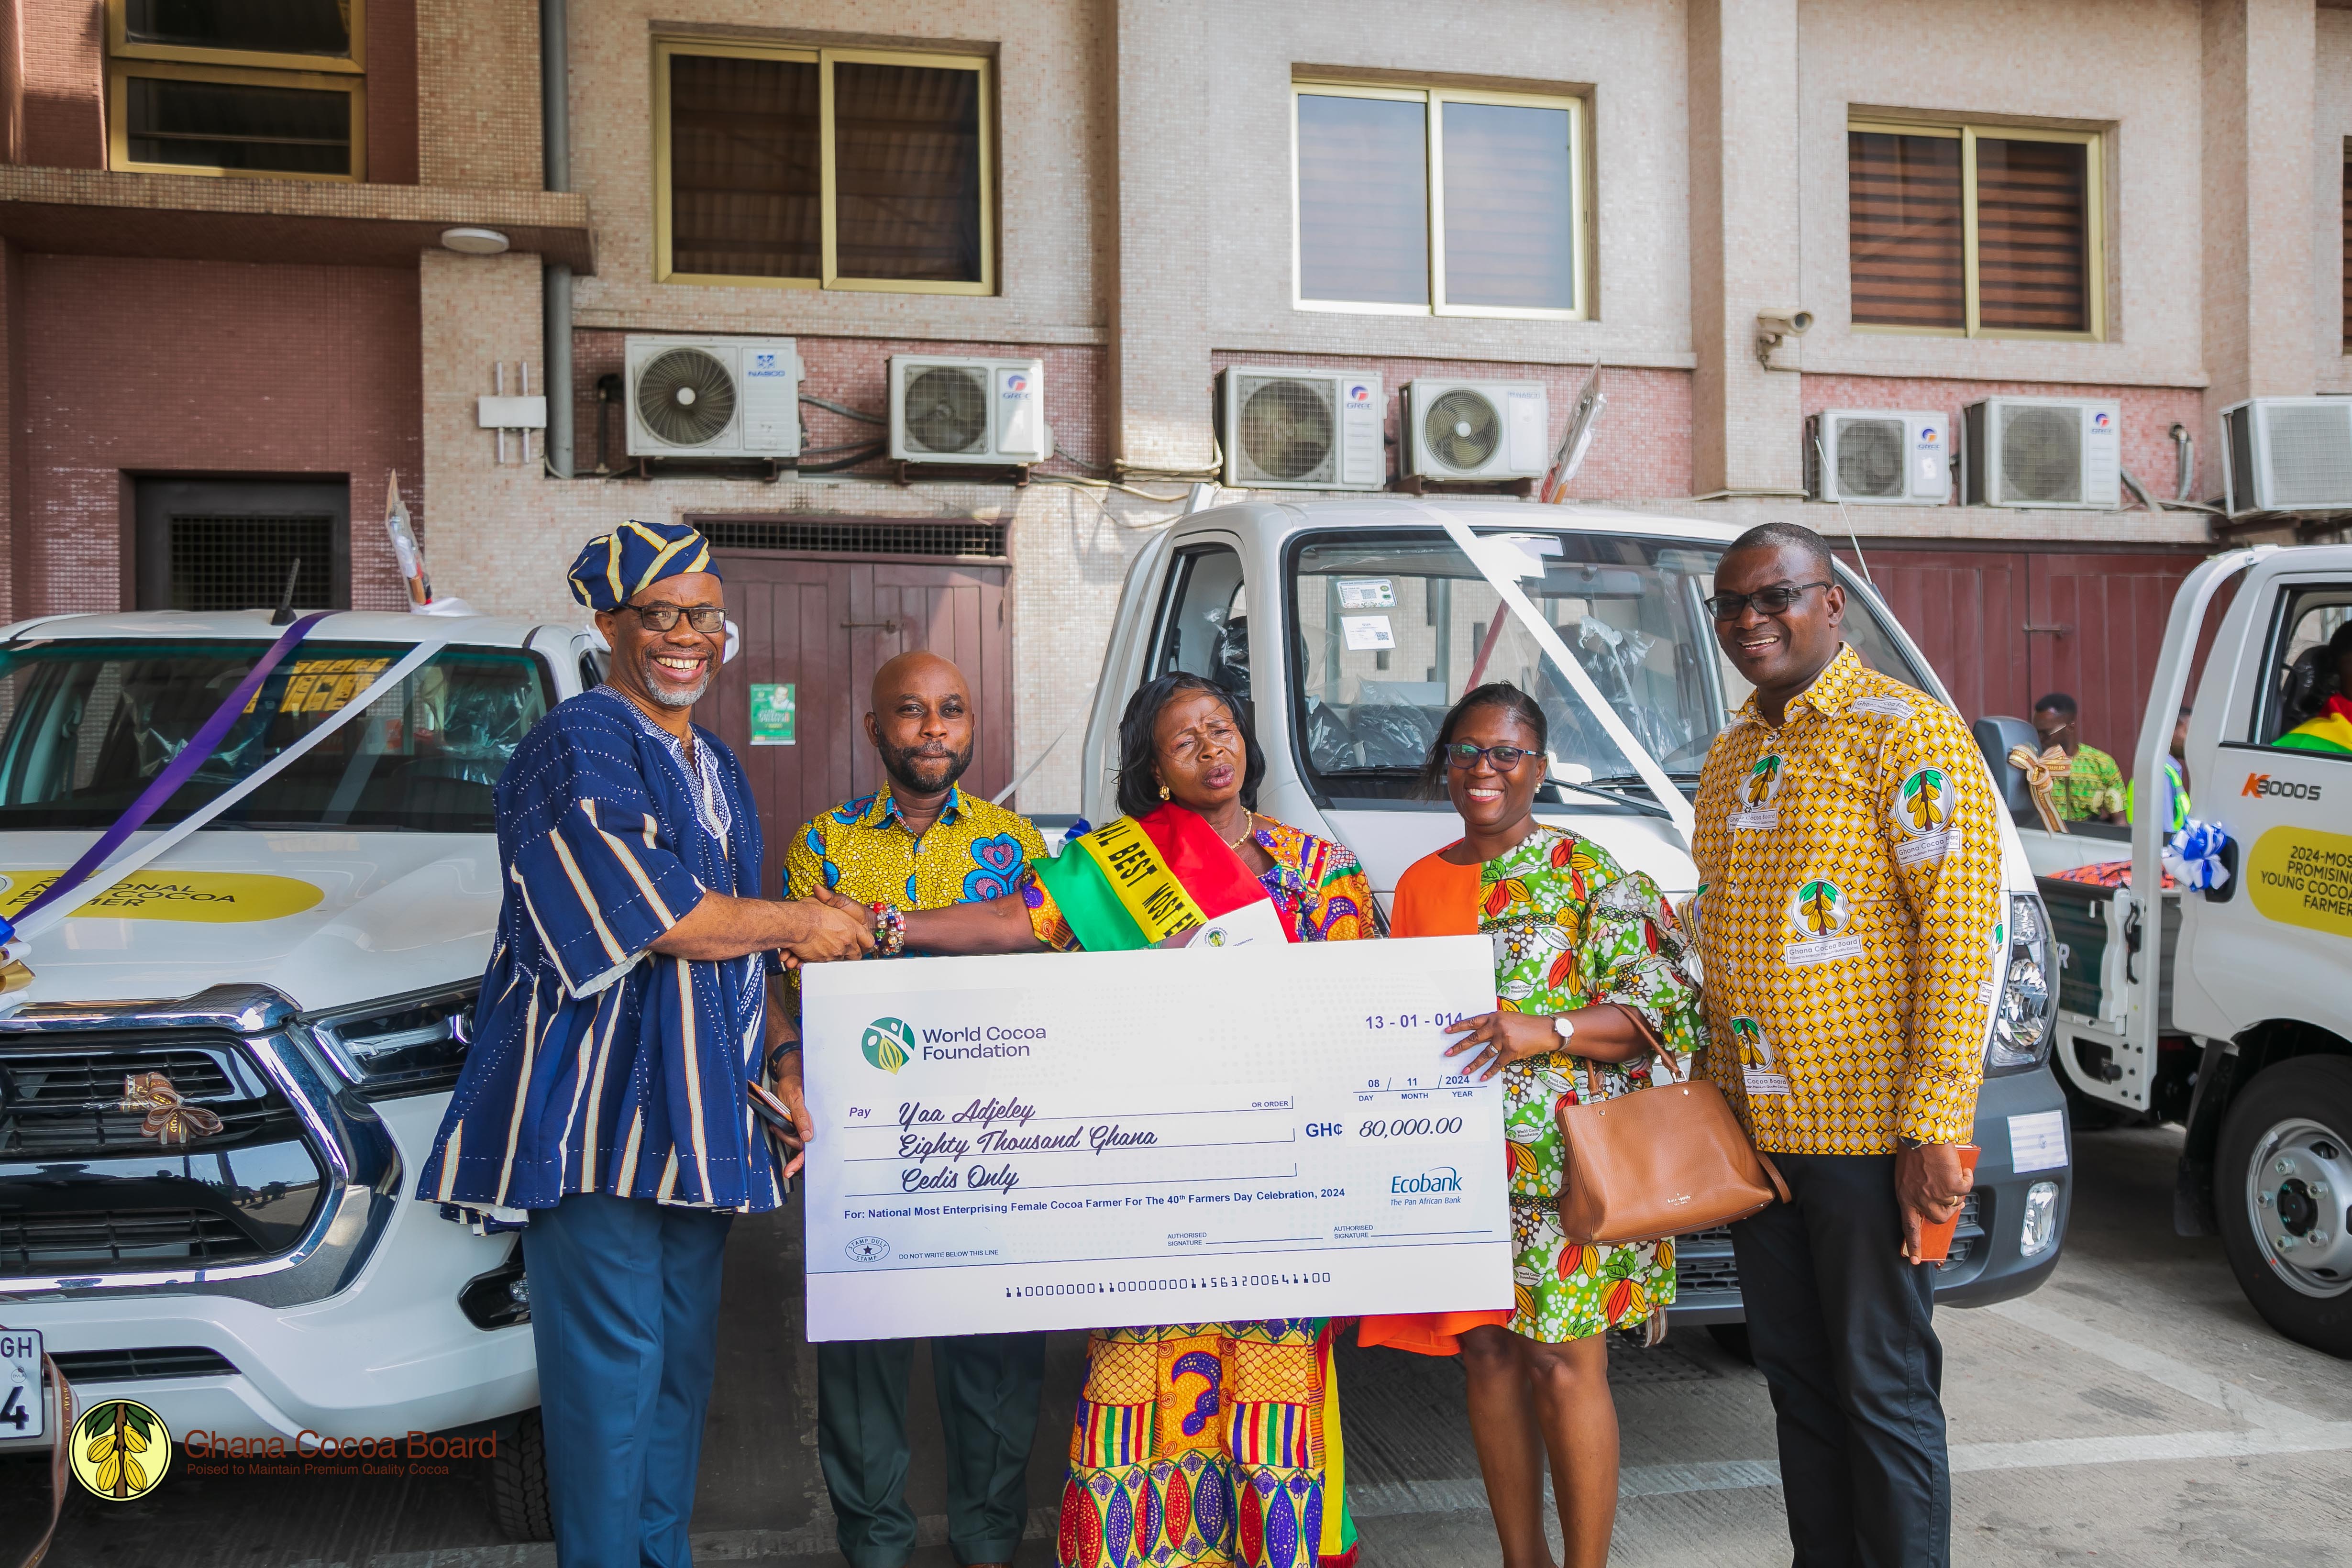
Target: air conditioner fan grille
x=685, y=396
x=1287, y=430
x=1462, y=430
x=2040, y=454
x=1869, y=458
x=947, y=409
x=2311, y=457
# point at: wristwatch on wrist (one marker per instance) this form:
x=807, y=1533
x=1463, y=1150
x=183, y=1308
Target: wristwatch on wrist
x=1564, y=1026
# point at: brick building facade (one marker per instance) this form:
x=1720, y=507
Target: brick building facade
x=1141, y=166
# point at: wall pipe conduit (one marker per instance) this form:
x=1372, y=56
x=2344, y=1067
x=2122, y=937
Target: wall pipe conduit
x=555, y=136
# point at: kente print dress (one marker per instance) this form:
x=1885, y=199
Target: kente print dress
x=1216, y=1444
x=1571, y=929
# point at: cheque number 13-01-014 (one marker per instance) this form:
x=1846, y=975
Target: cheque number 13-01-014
x=1411, y=1021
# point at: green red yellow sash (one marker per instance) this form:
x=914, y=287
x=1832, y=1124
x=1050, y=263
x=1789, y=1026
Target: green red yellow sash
x=1139, y=880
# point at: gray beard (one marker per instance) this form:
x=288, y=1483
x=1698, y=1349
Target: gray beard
x=669, y=698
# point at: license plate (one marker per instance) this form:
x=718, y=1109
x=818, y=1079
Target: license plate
x=21, y=1404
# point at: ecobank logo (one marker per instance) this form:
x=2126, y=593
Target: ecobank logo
x=887, y=1043
x=1444, y=1179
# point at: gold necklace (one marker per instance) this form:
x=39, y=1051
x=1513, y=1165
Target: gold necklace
x=1249, y=825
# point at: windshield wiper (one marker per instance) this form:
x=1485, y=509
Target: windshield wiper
x=1641, y=802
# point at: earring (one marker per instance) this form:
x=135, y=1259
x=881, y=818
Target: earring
x=1163, y=792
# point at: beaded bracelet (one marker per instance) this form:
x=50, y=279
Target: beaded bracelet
x=890, y=930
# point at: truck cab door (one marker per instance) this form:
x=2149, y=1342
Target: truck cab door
x=2257, y=947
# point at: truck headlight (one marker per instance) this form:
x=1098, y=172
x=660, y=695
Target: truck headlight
x=2026, y=1002
x=403, y=1045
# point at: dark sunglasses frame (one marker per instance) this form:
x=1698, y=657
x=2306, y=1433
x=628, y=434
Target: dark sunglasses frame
x=1726, y=606
x=1463, y=756
x=664, y=617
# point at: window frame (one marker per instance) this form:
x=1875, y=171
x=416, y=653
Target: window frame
x=2095, y=226
x=668, y=46
x=119, y=47
x=1434, y=99
x=121, y=73
x=2297, y=597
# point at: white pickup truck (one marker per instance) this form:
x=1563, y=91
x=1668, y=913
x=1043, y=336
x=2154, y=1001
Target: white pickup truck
x=301, y=970
x=2234, y=1018
x=1352, y=625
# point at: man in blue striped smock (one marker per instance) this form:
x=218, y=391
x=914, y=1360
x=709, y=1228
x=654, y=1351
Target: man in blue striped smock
x=604, y=1104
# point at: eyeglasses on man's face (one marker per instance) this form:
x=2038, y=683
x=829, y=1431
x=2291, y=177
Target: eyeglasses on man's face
x=1462, y=754
x=660, y=617
x=1774, y=600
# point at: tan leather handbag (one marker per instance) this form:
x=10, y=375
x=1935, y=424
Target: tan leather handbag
x=1661, y=1160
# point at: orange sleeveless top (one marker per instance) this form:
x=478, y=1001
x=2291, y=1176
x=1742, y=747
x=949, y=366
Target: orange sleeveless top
x=1434, y=898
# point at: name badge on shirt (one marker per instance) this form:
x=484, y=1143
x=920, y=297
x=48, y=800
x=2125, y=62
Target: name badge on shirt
x=1762, y=821
x=1762, y=1084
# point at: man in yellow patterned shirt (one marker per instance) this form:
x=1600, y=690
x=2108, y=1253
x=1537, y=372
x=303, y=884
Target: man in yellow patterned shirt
x=1849, y=859
x=919, y=843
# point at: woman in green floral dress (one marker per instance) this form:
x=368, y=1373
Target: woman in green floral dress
x=1582, y=950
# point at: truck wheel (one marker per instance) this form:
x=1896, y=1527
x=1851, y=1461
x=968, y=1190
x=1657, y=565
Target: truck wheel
x=518, y=1483
x=2283, y=1188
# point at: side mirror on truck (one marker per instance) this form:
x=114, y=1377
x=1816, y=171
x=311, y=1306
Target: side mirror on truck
x=1995, y=737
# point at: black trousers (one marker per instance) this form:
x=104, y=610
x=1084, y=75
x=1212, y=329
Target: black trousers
x=988, y=1386
x=1840, y=1324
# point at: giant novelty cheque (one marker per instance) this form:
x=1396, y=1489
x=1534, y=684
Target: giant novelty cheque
x=1096, y=1139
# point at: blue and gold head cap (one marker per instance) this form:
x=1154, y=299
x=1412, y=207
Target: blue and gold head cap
x=616, y=567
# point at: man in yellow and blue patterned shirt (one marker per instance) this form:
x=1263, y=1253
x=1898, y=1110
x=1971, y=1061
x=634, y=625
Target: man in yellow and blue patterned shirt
x=1850, y=862
x=920, y=843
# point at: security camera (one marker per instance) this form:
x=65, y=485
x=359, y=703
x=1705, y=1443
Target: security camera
x=1771, y=326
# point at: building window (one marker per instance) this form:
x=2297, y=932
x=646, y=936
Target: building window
x=822, y=168
x=1975, y=231
x=1415, y=201
x=230, y=86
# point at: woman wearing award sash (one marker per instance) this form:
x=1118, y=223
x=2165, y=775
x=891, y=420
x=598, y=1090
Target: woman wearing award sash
x=1589, y=964
x=1195, y=1443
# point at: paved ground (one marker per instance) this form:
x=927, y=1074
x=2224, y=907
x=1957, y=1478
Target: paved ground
x=2133, y=1411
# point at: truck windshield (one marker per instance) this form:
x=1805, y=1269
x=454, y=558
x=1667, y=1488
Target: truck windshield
x=85, y=726
x=1394, y=626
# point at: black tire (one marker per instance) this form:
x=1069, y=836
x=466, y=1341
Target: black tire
x=2307, y=1091
x=1733, y=1338
x=519, y=1482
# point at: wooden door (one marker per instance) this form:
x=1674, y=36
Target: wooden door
x=824, y=625
x=2095, y=629
x=1964, y=608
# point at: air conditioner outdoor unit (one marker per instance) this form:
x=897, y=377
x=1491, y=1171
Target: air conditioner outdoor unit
x=2049, y=452
x=1878, y=458
x=2287, y=454
x=1302, y=430
x=968, y=411
x=1476, y=429
x=713, y=397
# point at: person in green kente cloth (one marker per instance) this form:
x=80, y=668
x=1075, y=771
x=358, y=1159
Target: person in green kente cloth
x=2323, y=721
x=2092, y=789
